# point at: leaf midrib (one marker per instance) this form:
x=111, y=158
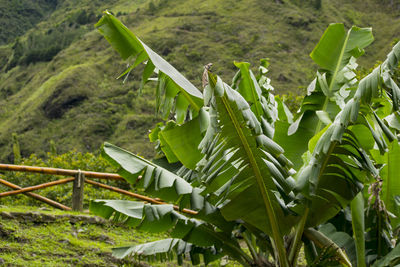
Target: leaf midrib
x=336, y=71
x=267, y=202
x=339, y=61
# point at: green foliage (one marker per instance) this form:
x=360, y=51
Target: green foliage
x=318, y=4
x=18, y=16
x=292, y=101
x=152, y=8
x=53, y=148
x=235, y=155
x=39, y=47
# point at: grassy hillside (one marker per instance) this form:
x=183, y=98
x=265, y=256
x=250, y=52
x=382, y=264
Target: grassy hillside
x=57, y=79
x=47, y=237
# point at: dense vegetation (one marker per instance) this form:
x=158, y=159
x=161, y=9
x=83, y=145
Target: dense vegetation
x=249, y=170
x=16, y=17
x=57, y=74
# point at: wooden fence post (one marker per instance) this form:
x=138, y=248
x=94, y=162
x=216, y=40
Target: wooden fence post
x=77, y=192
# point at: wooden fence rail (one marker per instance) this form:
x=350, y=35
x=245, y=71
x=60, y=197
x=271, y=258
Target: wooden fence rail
x=35, y=187
x=36, y=196
x=63, y=172
x=79, y=180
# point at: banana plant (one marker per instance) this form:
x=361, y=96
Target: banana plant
x=246, y=181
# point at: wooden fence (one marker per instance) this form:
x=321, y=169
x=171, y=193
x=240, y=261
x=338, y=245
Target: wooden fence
x=79, y=179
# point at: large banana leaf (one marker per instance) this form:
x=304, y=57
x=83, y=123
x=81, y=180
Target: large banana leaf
x=157, y=218
x=179, y=143
x=246, y=172
x=336, y=47
x=332, y=176
x=166, y=249
x=335, y=54
x=155, y=180
x=172, y=86
x=275, y=118
x=337, y=146
x=159, y=182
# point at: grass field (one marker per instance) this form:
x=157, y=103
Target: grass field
x=31, y=240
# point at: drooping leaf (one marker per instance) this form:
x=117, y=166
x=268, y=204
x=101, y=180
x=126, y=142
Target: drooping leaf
x=328, y=245
x=159, y=182
x=172, y=85
x=163, y=250
x=342, y=240
x=152, y=218
x=331, y=180
x=155, y=180
x=157, y=218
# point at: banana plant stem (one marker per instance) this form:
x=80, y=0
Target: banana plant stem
x=295, y=248
x=250, y=246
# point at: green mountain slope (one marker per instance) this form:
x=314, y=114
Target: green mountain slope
x=20, y=15
x=57, y=79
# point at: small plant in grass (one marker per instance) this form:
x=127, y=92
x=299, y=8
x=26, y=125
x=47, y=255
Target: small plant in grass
x=263, y=182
